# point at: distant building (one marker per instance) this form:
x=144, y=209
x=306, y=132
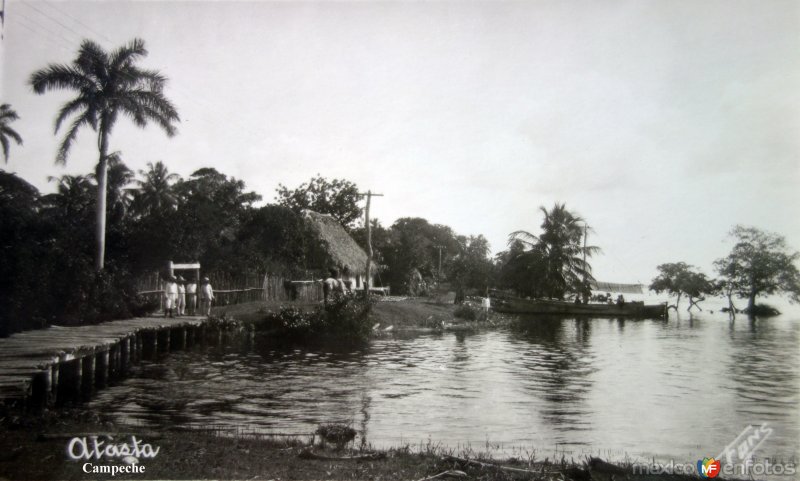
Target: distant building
x=341, y=251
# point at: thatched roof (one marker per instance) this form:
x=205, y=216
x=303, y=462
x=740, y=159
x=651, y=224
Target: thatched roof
x=337, y=243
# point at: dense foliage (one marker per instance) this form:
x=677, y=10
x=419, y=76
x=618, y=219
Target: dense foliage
x=336, y=197
x=342, y=318
x=760, y=263
x=552, y=263
x=679, y=279
x=414, y=254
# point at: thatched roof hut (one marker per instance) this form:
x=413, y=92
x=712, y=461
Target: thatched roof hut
x=342, y=250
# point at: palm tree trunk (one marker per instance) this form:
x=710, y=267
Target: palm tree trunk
x=102, y=178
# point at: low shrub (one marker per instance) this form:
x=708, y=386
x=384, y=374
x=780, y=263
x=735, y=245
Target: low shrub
x=343, y=318
x=466, y=312
x=762, y=310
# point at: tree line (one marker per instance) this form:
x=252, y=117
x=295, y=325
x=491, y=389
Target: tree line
x=73, y=256
x=759, y=263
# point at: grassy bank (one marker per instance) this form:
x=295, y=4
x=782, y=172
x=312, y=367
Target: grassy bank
x=37, y=449
x=397, y=313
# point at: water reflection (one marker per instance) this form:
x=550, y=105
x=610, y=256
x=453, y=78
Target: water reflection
x=677, y=388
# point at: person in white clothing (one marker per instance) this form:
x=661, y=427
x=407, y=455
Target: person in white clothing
x=181, y=296
x=170, y=296
x=191, y=297
x=206, y=296
x=486, y=304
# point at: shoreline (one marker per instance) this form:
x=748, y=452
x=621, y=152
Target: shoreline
x=37, y=448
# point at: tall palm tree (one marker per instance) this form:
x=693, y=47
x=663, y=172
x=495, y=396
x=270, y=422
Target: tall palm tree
x=559, y=247
x=155, y=193
x=108, y=84
x=8, y=115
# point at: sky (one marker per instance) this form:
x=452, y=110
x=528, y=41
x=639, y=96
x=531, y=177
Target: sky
x=663, y=123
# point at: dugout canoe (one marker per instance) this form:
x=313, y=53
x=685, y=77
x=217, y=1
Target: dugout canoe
x=542, y=306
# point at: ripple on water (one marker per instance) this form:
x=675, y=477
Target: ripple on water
x=646, y=388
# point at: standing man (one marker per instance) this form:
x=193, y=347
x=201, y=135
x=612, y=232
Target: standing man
x=181, y=296
x=206, y=296
x=170, y=296
x=191, y=296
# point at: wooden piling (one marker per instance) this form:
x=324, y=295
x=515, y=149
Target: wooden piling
x=70, y=380
x=53, y=383
x=101, y=368
x=64, y=364
x=125, y=355
x=41, y=389
x=89, y=369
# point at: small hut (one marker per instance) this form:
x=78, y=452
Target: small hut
x=341, y=251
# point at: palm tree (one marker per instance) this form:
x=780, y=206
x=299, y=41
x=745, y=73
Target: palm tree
x=558, y=251
x=108, y=84
x=8, y=115
x=155, y=193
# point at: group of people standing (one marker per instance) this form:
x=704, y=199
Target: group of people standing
x=181, y=296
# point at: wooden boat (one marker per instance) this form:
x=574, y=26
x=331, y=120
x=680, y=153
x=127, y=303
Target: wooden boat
x=514, y=305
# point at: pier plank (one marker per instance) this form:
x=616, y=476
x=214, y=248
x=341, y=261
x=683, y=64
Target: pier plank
x=26, y=354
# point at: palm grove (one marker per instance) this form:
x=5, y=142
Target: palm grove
x=72, y=256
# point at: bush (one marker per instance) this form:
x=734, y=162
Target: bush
x=466, y=312
x=343, y=318
x=763, y=310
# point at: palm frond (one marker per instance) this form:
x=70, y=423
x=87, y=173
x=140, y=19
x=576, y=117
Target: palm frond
x=6, y=131
x=69, y=138
x=7, y=114
x=68, y=109
x=92, y=59
x=523, y=236
x=128, y=53
x=57, y=77
x=5, y=144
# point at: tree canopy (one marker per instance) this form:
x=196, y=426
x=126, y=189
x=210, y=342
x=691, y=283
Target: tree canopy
x=335, y=197
x=554, y=259
x=759, y=263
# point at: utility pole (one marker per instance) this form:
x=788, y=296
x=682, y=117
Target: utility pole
x=439, y=274
x=369, y=196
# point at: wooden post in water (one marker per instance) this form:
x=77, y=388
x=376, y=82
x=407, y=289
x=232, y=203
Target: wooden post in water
x=53, y=383
x=101, y=368
x=89, y=373
x=41, y=388
x=125, y=345
x=183, y=338
x=166, y=346
x=153, y=335
x=112, y=363
x=70, y=380
x=139, y=346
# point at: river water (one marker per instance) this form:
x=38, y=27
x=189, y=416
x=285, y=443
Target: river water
x=678, y=389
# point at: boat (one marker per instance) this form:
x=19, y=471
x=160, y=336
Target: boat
x=635, y=309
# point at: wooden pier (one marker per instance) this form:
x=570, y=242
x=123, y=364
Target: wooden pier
x=58, y=365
